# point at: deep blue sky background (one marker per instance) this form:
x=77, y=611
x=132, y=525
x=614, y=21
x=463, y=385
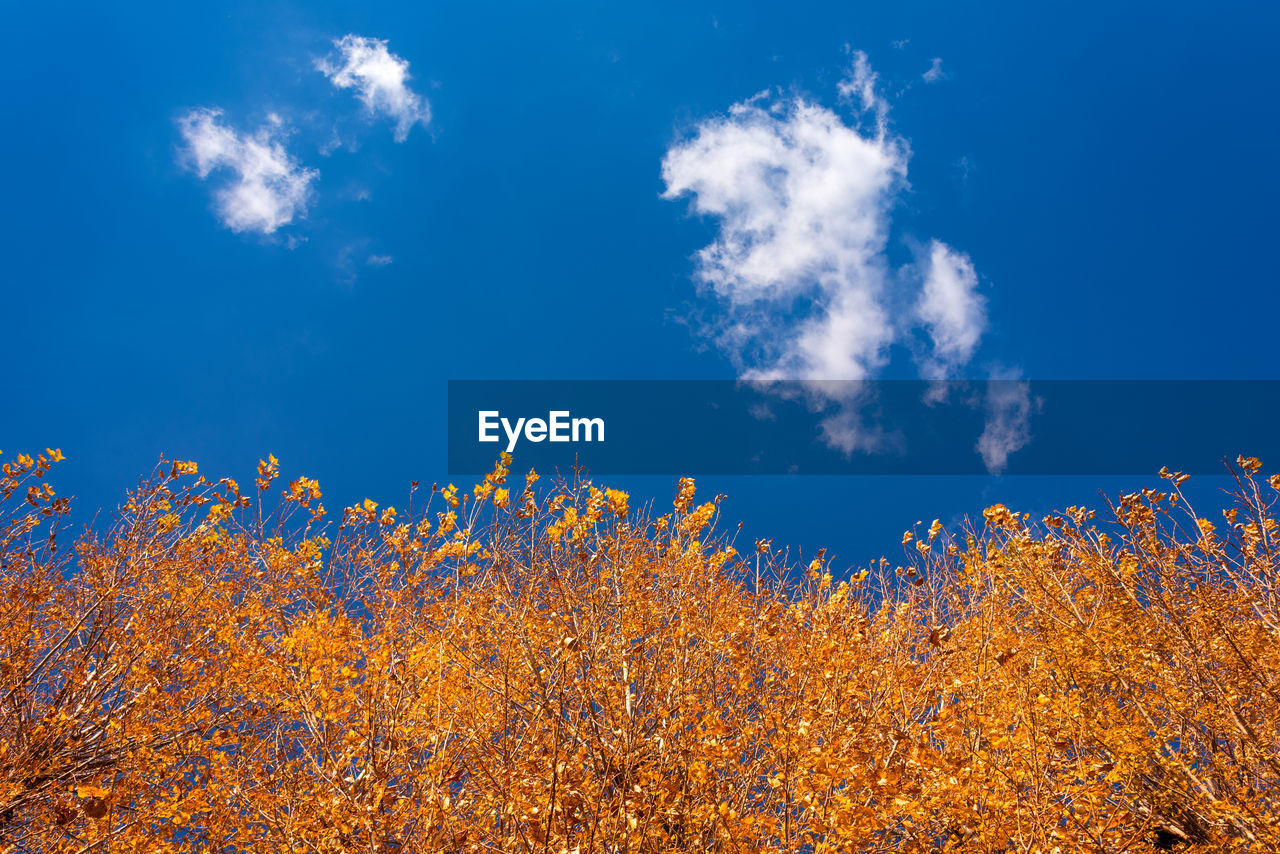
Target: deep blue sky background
x=1109, y=168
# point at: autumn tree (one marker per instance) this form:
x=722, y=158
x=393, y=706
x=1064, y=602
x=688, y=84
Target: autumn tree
x=546, y=668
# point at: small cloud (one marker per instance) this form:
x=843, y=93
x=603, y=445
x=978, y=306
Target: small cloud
x=269, y=187
x=380, y=79
x=951, y=310
x=935, y=72
x=1008, y=406
x=900, y=44
x=354, y=257
x=860, y=85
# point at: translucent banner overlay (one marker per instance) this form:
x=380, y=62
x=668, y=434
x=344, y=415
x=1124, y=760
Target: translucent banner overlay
x=690, y=427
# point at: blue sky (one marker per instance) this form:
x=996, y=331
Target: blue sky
x=1101, y=176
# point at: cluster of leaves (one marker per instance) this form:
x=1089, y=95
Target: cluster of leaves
x=554, y=671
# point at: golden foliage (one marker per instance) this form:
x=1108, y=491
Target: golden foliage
x=559, y=672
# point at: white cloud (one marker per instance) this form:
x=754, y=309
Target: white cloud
x=861, y=82
x=1007, y=428
x=935, y=72
x=951, y=310
x=802, y=202
x=803, y=286
x=380, y=79
x=269, y=187
x=379, y=260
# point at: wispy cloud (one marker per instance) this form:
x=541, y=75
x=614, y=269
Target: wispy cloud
x=859, y=86
x=355, y=256
x=380, y=79
x=951, y=310
x=267, y=187
x=1007, y=428
x=935, y=72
